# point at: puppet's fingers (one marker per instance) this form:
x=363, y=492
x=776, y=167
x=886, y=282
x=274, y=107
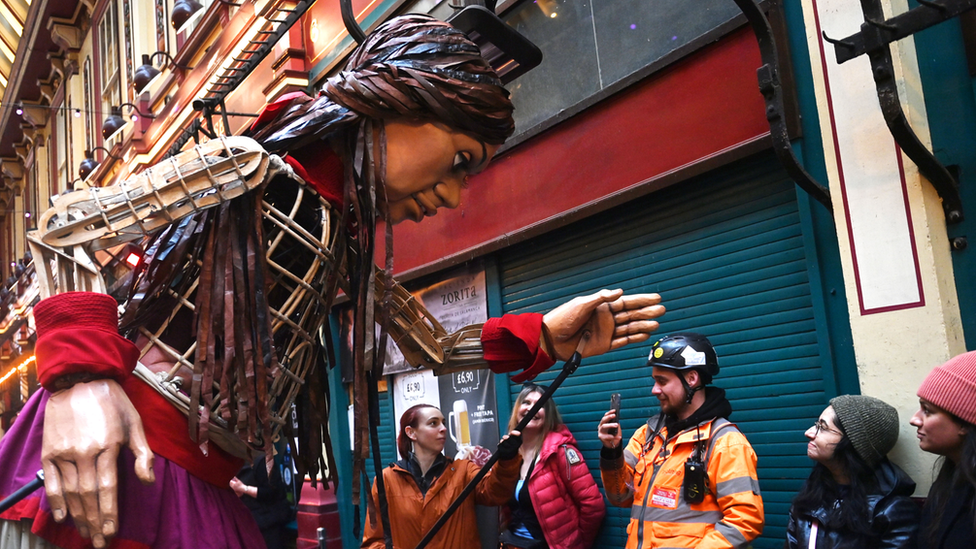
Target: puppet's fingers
x=107, y=495
x=87, y=490
x=72, y=497
x=53, y=489
x=636, y=328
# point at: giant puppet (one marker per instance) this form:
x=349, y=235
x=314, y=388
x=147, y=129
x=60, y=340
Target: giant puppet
x=245, y=243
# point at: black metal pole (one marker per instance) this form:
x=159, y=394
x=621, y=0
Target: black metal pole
x=349, y=20
x=569, y=367
x=23, y=492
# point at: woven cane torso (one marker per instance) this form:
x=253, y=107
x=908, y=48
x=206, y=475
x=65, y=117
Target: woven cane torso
x=167, y=215
x=182, y=302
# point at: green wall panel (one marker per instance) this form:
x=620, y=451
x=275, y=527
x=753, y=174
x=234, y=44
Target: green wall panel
x=951, y=111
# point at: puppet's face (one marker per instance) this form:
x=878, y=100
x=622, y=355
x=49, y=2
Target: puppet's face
x=427, y=165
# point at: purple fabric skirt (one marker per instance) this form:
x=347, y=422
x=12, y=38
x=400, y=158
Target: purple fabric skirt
x=177, y=511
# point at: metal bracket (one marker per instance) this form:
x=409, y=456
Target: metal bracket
x=508, y=52
x=349, y=20
x=209, y=107
x=772, y=91
x=874, y=38
x=877, y=33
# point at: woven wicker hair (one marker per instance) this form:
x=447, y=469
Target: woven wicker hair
x=412, y=66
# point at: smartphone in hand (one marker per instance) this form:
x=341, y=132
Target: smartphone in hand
x=615, y=406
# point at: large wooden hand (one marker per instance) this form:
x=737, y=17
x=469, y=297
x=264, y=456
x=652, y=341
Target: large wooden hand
x=85, y=427
x=614, y=320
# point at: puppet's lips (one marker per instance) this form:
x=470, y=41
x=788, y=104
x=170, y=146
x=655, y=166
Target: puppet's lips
x=422, y=210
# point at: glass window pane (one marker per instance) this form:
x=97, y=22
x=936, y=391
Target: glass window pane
x=569, y=72
x=632, y=34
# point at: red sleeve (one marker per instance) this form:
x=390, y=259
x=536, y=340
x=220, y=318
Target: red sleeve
x=77, y=332
x=315, y=163
x=271, y=110
x=512, y=342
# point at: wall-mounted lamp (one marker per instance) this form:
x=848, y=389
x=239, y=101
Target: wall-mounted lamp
x=146, y=74
x=505, y=49
x=89, y=164
x=115, y=123
x=185, y=13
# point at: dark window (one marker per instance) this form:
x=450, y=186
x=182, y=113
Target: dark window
x=590, y=45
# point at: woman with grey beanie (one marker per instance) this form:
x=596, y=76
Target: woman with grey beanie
x=854, y=497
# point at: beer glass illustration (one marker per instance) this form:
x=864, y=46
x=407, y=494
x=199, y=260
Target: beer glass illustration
x=458, y=426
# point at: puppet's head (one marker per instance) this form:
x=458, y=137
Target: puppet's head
x=413, y=67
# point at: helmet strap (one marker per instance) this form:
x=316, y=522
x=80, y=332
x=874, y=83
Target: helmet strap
x=689, y=391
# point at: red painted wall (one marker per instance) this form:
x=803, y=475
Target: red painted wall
x=707, y=103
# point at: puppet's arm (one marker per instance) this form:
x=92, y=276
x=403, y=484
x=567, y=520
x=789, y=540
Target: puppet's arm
x=530, y=342
x=81, y=360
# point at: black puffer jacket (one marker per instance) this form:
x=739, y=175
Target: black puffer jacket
x=894, y=522
x=955, y=523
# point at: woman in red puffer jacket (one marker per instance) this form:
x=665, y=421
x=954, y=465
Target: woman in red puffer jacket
x=556, y=504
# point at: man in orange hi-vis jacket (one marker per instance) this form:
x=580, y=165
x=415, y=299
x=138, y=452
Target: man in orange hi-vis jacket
x=689, y=475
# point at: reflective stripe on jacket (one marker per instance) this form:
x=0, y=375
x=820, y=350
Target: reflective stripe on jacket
x=649, y=478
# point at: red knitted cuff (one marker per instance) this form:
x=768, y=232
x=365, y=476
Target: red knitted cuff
x=540, y=364
x=77, y=333
x=512, y=342
x=77, y=310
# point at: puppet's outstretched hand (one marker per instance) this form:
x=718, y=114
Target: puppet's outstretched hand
x=614, y=320
x=85, y=427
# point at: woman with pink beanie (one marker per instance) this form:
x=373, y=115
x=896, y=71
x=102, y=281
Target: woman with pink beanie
x=946, y=423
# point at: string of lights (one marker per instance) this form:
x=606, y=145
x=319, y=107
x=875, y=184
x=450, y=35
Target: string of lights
x=22, y=368
x=77, y=111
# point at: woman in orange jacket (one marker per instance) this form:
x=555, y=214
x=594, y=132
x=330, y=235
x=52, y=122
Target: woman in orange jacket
x=421, y=486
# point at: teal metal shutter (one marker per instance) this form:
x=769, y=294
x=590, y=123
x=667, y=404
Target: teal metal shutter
x=726, y=253
x=386, y=430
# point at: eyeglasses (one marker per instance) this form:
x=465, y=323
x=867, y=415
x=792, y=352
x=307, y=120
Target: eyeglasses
x=821, y=425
